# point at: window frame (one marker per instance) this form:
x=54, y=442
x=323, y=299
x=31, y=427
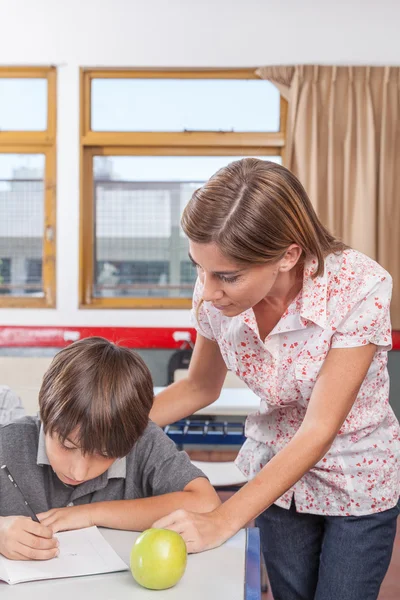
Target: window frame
x=187, y=143
x=38, y=142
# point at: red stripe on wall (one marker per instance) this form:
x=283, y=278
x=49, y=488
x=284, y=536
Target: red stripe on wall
x=132, y=337
x=396, y=340
x=162, y=338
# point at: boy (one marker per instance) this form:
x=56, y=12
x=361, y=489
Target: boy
x=93, y=457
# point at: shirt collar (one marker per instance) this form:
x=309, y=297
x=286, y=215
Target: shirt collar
x=117, y=469
x=310, y=305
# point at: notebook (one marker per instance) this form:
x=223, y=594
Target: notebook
x=82, y=552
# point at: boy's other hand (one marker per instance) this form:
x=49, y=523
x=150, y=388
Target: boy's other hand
x=71, y=517
x=24, y=539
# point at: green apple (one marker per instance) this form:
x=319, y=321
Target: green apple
x=158, y=559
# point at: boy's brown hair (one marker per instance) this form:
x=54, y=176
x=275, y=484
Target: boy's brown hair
x=100, y=392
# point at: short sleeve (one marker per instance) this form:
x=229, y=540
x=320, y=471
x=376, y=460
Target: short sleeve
x=368, y=321
x=162, y=467
x=198, y=317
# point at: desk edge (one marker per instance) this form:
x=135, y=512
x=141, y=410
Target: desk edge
x=252, y=579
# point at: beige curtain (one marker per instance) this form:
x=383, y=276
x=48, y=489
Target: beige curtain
x=343, y=142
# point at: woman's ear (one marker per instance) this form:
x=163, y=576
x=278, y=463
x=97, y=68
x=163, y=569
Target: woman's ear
x=291, y=258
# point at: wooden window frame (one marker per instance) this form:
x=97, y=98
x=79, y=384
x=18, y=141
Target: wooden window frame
x=188, y=143
x=38, y=142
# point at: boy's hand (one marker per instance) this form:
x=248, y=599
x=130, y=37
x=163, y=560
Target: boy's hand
x=71, y=517
x=24, y=539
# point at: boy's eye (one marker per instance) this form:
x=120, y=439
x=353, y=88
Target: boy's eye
x=64, y=446
x=68, y=447
x=102, y=455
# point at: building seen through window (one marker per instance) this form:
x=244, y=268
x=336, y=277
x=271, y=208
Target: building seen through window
x=21, y=224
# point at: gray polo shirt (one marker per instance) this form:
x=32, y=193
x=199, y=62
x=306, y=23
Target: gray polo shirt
x=153, y=467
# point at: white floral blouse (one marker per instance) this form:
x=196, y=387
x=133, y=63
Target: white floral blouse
x=346, y=307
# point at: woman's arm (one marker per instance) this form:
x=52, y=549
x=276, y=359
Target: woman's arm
x=201, y=387
x=134, y=515
x=333, y=396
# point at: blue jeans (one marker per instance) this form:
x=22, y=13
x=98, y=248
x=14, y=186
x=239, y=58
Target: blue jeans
x=314, y=557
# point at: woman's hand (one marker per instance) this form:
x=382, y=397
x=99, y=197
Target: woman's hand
x=200, y=531
x=24, y=539
x=71, y=517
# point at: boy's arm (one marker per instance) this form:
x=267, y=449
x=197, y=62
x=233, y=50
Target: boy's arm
x=20, y=537
x=135, y=515
x=159, y=478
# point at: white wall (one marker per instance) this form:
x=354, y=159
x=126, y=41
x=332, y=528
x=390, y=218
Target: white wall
x=158, y=33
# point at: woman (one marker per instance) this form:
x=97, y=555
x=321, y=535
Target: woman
x=304, y=321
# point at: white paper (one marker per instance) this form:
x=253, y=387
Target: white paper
x=82, y=552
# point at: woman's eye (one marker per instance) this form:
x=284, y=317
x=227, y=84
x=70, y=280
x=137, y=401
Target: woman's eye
x=229, y=279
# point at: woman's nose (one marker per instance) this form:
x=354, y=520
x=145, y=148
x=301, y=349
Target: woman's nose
x=211, y=290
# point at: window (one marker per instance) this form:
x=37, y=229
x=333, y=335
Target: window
x=27, y=187
x=149, y=139
x=5, y=275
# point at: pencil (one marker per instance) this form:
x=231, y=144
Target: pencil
x=17, y=488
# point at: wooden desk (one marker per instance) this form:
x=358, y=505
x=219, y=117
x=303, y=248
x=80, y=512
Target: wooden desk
x=232, y=402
